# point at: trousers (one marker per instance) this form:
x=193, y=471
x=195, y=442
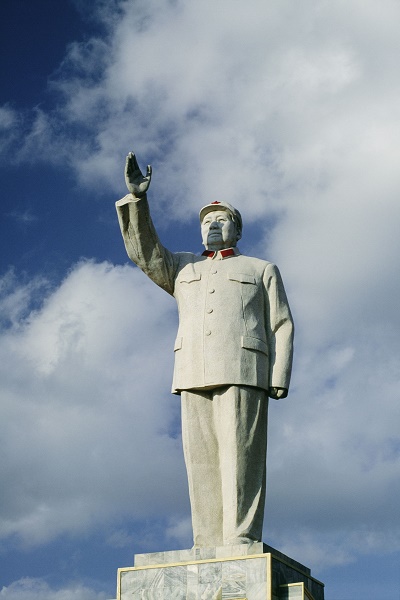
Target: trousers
x=224, y=434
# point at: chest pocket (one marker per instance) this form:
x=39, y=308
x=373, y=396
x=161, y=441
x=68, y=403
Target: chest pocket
x=189, y=277
x=245, y=285
x=242, y=278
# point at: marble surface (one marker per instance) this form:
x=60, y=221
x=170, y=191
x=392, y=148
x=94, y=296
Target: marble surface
x=211, y=552
x=206, y=553
x=225, y=580
x=243, y=572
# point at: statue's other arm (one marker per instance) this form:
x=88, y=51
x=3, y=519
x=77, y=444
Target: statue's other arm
x=280, y=334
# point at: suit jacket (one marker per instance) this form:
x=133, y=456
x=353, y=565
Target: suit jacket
x=235, y=326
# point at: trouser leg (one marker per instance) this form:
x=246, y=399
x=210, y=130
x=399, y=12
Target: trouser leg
x=224, y=435
x=240, y=415
x=200, y=447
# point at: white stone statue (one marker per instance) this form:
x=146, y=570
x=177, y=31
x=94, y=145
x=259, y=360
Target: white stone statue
x=233, y=350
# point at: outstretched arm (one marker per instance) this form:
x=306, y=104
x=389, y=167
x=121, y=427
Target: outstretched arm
x=140, y=237
x=136, y=183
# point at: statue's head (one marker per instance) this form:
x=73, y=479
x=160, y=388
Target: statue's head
x=221, y=225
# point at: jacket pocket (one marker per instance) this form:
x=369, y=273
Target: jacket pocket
x=178, y=344
x=189, y=277
x=242, y=278
x=253, y=343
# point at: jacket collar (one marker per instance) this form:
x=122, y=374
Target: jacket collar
x=221, y=254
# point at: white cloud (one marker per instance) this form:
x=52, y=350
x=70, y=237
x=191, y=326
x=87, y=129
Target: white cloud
x=37, y=589
x=8, y=117
x=16, y=297
x=86, y=413
x=289, y=111
x=180, y=531
x=334, y=450
x=273, y=106
x=9, y=125
x=87, y=422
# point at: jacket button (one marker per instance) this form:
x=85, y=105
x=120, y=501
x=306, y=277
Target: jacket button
x=210, y=310
x=208, y=332
x=211, y=291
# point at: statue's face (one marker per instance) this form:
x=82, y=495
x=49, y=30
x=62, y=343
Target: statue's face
x=218, y=231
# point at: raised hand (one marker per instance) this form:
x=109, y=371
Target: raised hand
x=136, y=183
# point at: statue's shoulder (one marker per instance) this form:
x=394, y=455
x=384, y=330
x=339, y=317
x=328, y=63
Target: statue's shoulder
x=256, y=263
x=186, y=257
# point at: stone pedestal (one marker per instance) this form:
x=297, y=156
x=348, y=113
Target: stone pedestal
x=244, y=572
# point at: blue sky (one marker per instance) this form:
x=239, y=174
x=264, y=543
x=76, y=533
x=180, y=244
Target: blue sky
x=290, y=112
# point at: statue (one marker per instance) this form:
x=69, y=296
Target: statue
x=232, y=352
